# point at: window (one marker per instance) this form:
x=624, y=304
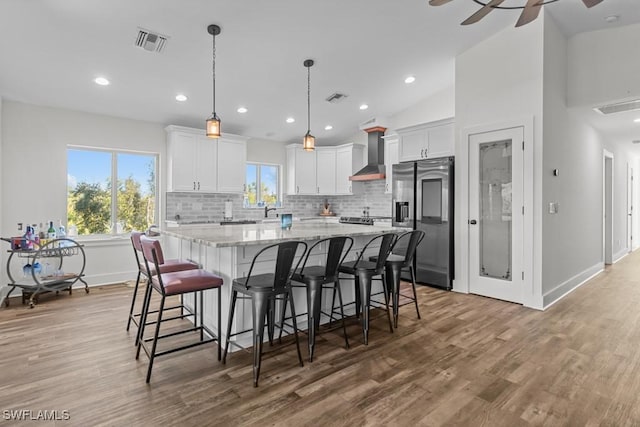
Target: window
x=95, y=206
x=263, y=185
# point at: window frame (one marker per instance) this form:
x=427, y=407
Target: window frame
x=114, y=188
x=279, y=182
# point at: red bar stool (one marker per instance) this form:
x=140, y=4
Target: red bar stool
x=170, y=284
x=166, y=266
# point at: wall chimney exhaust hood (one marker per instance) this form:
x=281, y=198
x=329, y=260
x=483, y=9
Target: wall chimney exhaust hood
x=375, y=168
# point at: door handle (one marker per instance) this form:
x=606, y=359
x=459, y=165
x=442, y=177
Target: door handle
x=297, y=189
x=194, y=185
x=422, y=153
x=198, y=185
x=473, y=222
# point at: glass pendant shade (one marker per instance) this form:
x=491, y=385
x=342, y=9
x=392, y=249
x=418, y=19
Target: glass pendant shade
x=213, y=126
x=309, y=142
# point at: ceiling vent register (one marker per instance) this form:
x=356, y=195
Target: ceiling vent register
x=150, y=41
x=334, y=98
x=619, y=107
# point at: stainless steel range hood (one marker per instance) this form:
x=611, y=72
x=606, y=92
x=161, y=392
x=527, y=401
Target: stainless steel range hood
x=375, y=168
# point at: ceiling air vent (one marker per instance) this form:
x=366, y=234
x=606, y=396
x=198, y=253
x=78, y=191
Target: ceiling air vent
x=619, y=107
x=150, y=41
x=336, y=97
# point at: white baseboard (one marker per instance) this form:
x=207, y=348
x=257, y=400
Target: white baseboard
x=557, y=293
x=621, y=254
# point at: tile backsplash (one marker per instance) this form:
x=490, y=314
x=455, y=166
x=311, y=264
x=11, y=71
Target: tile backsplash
x=210, y=207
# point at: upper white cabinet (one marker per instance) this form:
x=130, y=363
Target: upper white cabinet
x=196, y=163
x=301, y=170
x=324, y=171
x=349, y=160
x=427, y=141
x=232, y=159
x=391, y=143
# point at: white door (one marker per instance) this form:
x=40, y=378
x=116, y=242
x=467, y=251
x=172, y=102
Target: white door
x=306, y=172
x=495, y=223
x=232, y=165
x=326, y=170
x=207, y=165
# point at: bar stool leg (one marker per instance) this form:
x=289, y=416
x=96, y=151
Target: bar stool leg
x=219, y=322
x=386, y=303
x=314, y=298
x=259, y=304
x=232, y=309
x=201, y=316
x=143, y=317
x=344, y=328
x=365, y=298
x=295, y=325
x=393, y=276
x=413, y=285
x=155, y=339
x=133, y=300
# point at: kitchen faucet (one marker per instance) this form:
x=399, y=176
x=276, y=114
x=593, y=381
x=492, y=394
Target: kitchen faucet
x=267, y=209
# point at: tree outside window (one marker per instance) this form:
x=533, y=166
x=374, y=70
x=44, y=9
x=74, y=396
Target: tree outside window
x=95, y=205
x=263, y=185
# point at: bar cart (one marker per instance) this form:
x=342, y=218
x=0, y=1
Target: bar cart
x=40, y=270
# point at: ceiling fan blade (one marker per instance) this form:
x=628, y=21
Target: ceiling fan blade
x=438, y=2
x=530, y=12
x=591, y=3
x=482, y=12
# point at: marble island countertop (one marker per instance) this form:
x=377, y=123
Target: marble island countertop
x=263, y=234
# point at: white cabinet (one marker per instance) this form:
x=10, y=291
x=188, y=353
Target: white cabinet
x=301, y=170
x=391, y=143
x=196, y=163
x=427, y=141
x=232, y=159
x=191, y=162
x=326, y=170
x=349, y=160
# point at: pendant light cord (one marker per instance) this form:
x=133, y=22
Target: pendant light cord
x=309, y=99
x=214, y=74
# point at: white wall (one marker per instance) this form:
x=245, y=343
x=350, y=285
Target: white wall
x=266, y=151
x=497, y=81
x=604, y=66
x=34, y=172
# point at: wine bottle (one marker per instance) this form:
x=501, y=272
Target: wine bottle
x=51, y=232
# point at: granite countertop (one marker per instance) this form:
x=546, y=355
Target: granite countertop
x=263, y=234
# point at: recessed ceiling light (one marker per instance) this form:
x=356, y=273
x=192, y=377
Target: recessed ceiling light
x=637, y=120
x=181, y=98
x=290, y=120
x=242, y=110
x=328, y=127
x=101, y=81
x=612, y=18
x=410, y=79
x=364, y=106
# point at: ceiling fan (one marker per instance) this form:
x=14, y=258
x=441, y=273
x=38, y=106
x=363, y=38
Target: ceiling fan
x=529, y=13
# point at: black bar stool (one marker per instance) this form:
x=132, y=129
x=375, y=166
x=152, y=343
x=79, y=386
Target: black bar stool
x=315, y=279
x=170, y=284
x=363, y=273
x=263, y=290
x=401, y=257
x=166, y=266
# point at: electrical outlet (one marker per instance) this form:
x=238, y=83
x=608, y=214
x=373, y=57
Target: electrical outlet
x=553, y=207
x=197, y=206
x=179, y=206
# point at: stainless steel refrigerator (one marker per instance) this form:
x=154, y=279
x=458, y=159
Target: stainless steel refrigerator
x=423, y=200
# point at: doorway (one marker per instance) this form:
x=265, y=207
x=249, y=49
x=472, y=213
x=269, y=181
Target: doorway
x=496, y=214
x=629, y=208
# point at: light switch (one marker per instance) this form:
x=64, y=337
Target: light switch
x=553, y=207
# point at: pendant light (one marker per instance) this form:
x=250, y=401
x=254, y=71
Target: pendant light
x=309, y=141
x=213, y=122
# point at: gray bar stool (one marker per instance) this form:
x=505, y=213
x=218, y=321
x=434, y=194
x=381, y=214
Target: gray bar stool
x=315, y=279
x=401, y=257
x=364, y=271
x=263, y=290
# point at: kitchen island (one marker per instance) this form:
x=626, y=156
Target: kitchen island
x=228, y=251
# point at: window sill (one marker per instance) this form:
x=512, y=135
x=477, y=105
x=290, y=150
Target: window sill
x=103, y=240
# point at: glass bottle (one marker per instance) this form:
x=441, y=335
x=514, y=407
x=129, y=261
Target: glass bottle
x=51, y=232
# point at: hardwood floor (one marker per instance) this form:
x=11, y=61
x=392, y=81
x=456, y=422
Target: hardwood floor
x=469, y=361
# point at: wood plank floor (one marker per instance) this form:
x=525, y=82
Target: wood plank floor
x=469, y=361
